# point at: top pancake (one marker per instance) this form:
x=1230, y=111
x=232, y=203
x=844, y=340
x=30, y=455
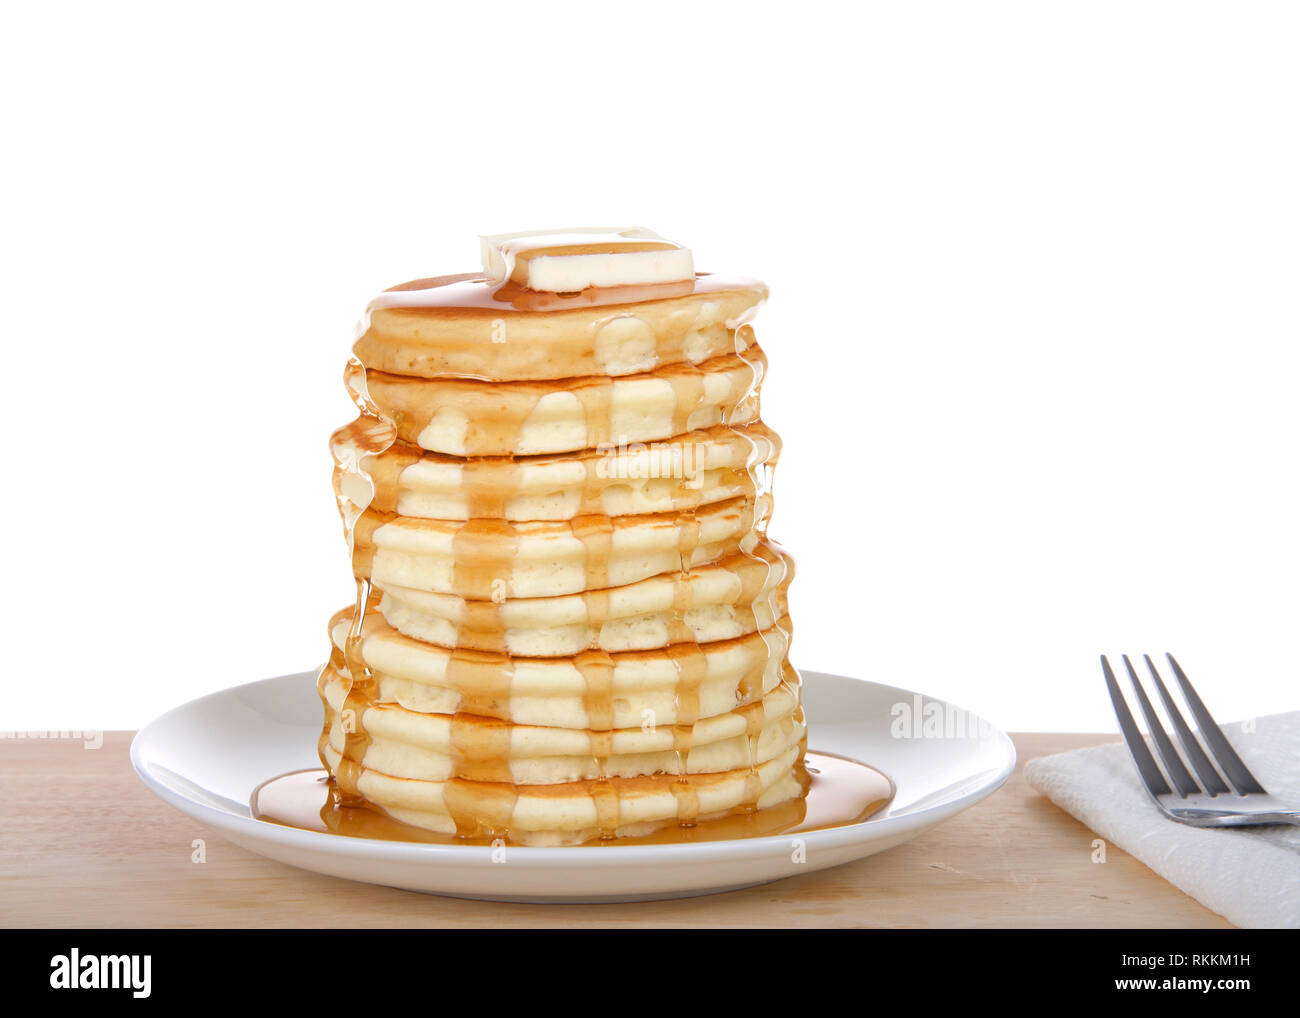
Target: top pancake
x=469, y=327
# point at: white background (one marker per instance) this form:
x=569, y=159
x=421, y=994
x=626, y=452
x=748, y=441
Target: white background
x=1033, y=327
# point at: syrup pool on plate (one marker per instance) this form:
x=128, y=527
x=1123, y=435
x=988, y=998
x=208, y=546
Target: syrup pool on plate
x=840, y=792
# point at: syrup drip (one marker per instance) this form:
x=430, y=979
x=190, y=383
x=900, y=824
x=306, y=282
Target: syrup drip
x=760, y=469
x=370, y=435
x=597, y=669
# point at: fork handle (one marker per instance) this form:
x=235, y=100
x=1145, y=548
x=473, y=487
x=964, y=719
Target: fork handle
x=1232, y=818
x=1282, y=816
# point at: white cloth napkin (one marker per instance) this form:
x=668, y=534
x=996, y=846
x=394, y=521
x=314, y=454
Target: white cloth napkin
x=1250, y=876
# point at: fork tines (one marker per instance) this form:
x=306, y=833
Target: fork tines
x=1184, y=784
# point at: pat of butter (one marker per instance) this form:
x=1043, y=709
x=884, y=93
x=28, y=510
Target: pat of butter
x=564, y=261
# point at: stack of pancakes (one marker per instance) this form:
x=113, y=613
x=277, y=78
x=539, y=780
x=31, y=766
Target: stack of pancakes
x=570, y=623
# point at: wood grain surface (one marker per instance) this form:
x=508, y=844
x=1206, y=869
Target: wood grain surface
x=84, y=843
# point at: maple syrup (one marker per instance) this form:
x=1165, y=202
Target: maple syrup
x=840, y=792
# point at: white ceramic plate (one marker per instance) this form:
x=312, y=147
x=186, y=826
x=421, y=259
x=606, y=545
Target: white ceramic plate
x=207, y=757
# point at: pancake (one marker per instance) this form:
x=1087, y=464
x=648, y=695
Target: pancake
x=496, y=559
x=435, y=747
x=573, y=813
x=457, y=326
x=720, y=601
x=594, y=690
x=691, y=470
x=472, y=417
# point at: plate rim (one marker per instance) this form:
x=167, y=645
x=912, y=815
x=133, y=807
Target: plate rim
x=560, y=857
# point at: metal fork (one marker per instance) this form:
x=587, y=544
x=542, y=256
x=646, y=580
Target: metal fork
x=1209, y=803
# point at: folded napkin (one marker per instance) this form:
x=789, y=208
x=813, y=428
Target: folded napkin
x=1250, y=876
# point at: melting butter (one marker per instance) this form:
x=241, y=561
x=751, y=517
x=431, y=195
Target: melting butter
x=567, y=261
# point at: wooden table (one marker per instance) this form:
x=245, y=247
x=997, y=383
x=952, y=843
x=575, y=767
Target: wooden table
x=84, y=843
